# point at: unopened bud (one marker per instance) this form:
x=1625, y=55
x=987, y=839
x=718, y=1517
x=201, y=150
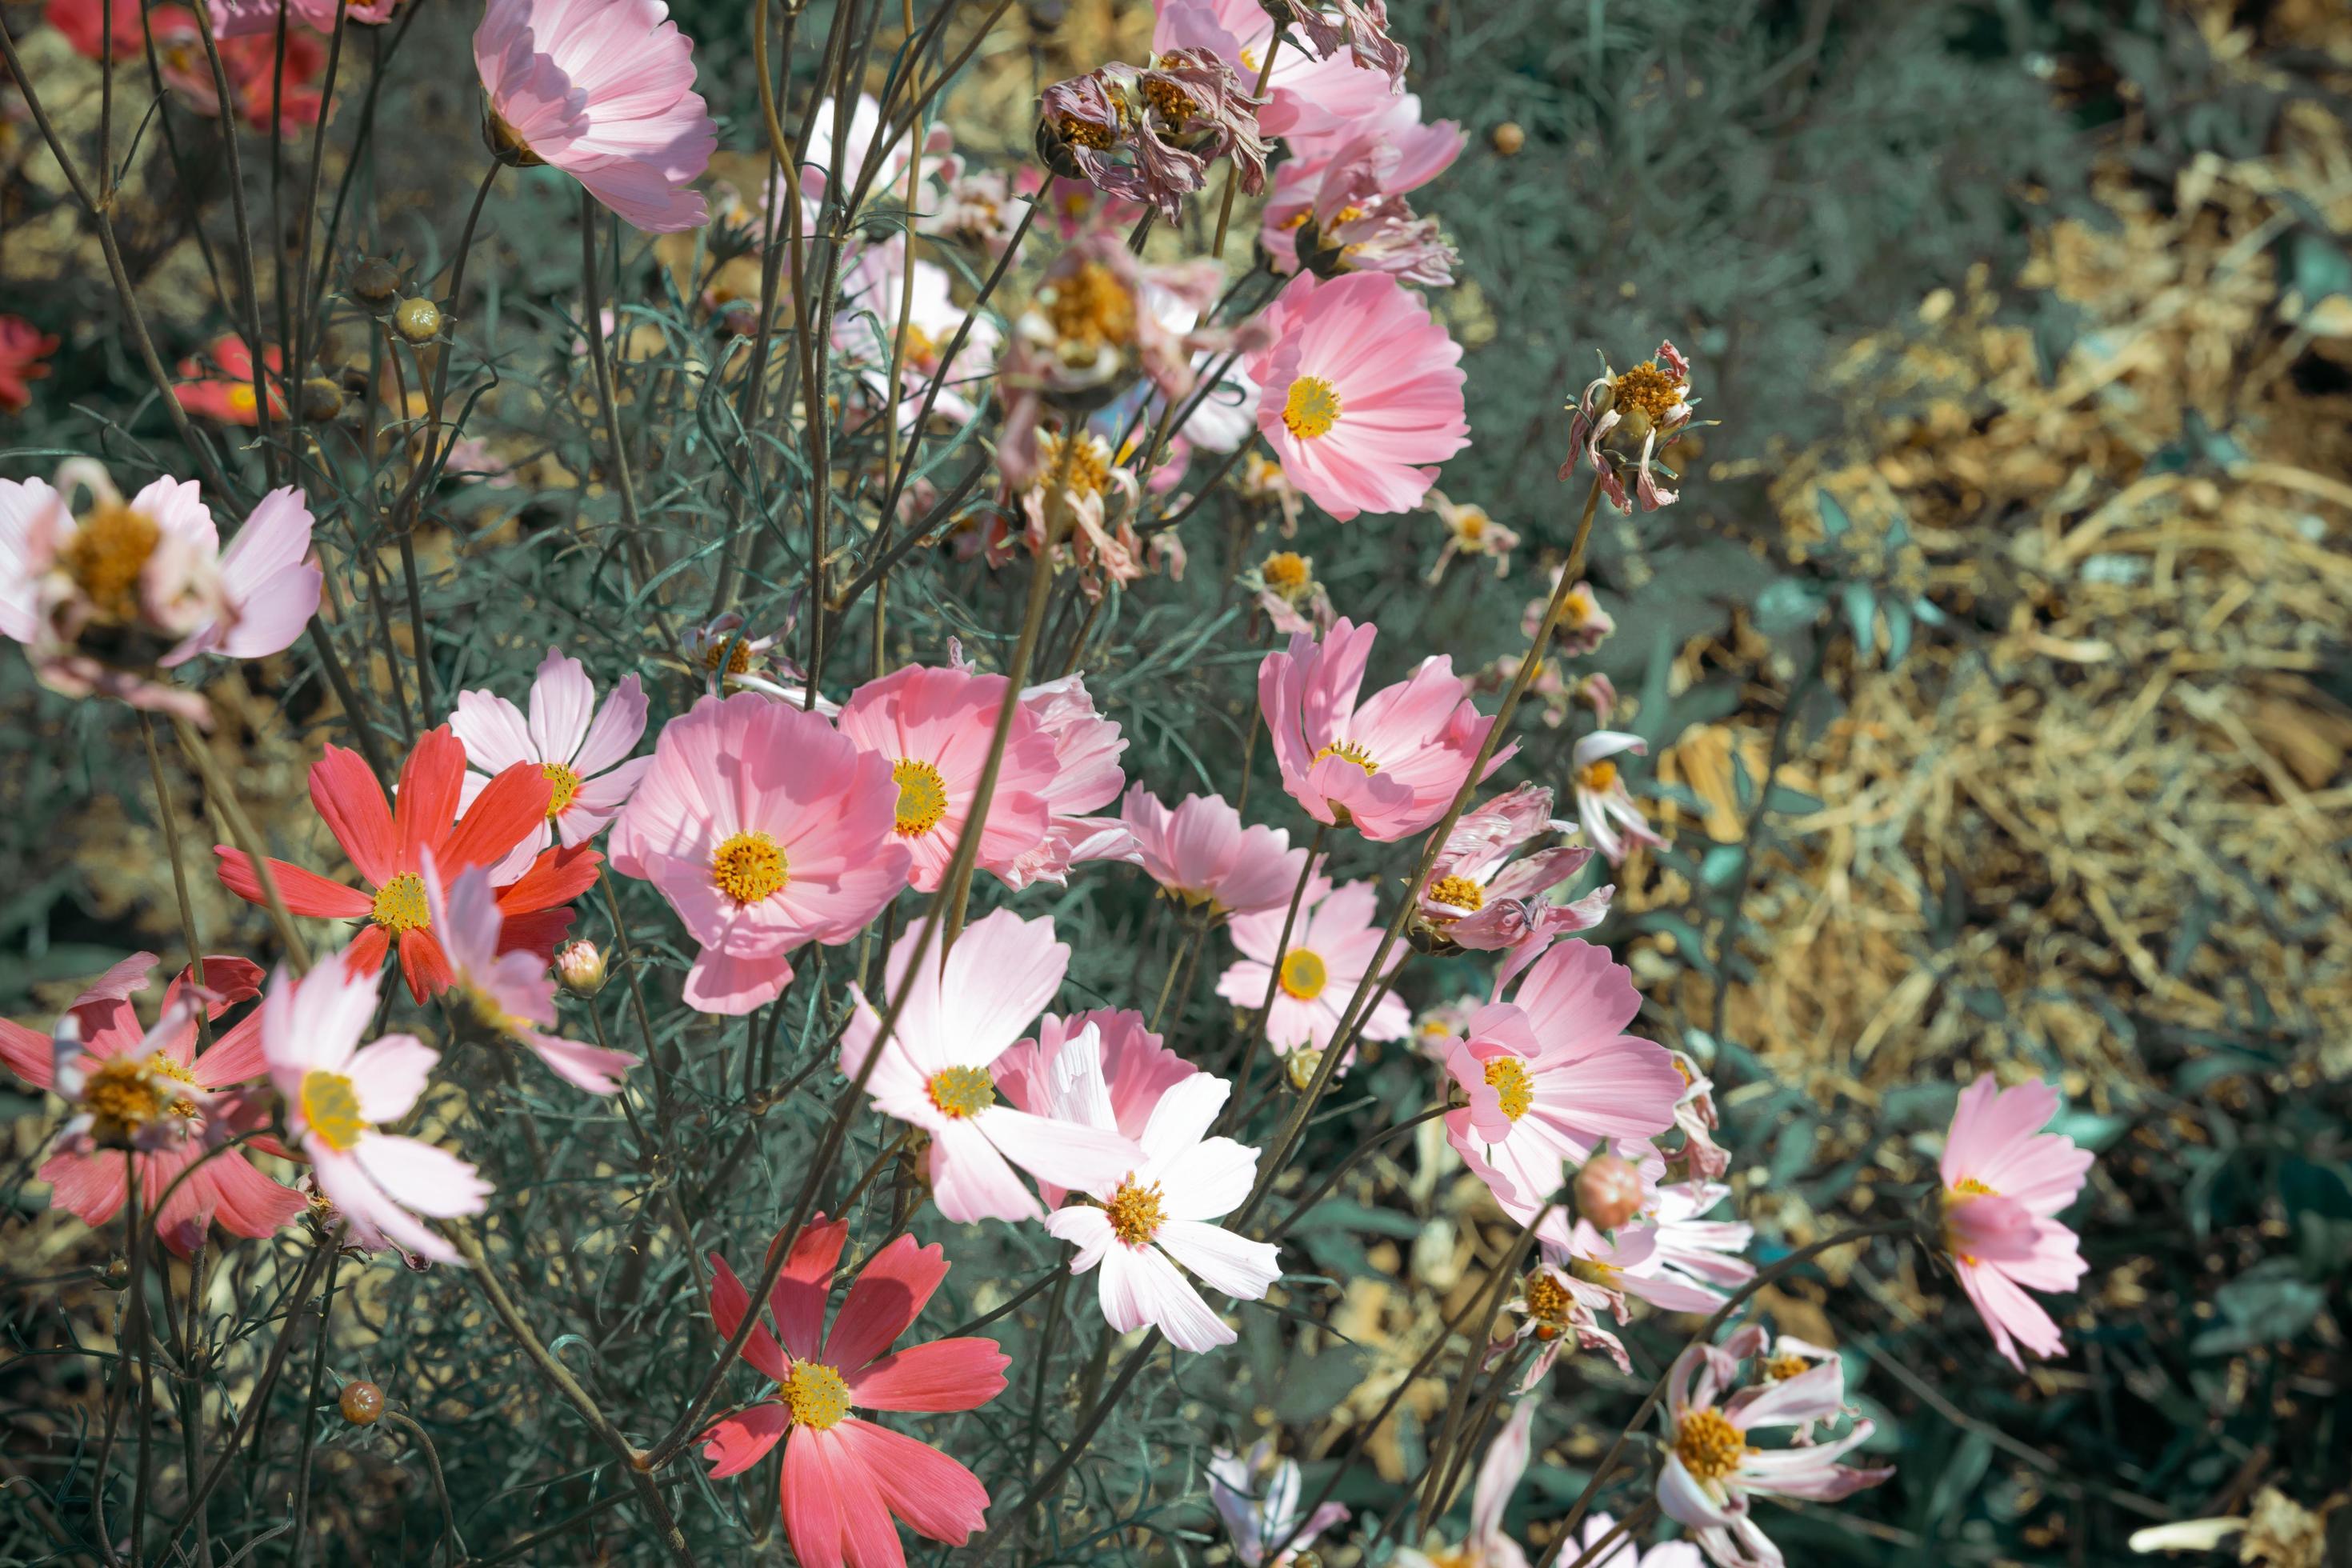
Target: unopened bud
x=322, y=399
x=1608, y=1190
x=1301, y=1066
x=579, y=965
x=1508, y=137
x=361, y=1403
x=374, y=281
x=417, y=320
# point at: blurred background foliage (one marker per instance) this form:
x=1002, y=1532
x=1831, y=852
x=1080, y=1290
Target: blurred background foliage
x=1995, y=671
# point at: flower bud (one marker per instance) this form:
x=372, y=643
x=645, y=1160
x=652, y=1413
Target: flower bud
x=361, y=1403
x=1507, y=138
x=1301, y=1066
x=417, y=320
x=374, y=281
x=579, y=965
x=1608, y=1190
x=322, y=400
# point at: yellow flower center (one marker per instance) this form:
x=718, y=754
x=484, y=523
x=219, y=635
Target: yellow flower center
x=1091, y=305
x=241, y=398
x=1311, y=408
x=1303, y=974
x=1174, y=104
x=400, y=906
x=564, y=784
x=816, y=1394
x=1968, y=1186
x=1784, y=1366
x=106, y=556
x=1710, y=1446
x=921, y=347
x=1959, y=1192
x=922, y=796
x=332, y=1106
x=1089, y=463
x=1352, y=751
x=1508, y=1079
x=749, y=867
x=1647, y=388
x=1135, y=1214
x=959, y=1092
x=1599, y=777
x=1086, y=132
x=1592, y=1271
x=1547, y=1300
x=1577, y=608
x=737, y=661
x=1285, y=571
x=124, y=1095
x=1460, y=891
x=477, y=1004
x=182, y=1107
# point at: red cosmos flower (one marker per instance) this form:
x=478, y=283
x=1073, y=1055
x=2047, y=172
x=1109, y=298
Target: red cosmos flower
x=83, y=22
x=387, y=847
x=23, y=347
x=218, y=382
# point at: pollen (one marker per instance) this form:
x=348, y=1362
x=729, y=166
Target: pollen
x=1460, y=891
x=331, y=1107
x=1577, y=608
x=1710, y=1446
x=922, y=796
x=749, y=867
x=1508, y=1079
x=107, y=556
x=1311, y=408
x=1086, y=132
x=1303, y=974
x=1174, y=104
x=1649, y=389
x=1784, y=1366
x=816, y=1394
x=124, y=1095
x=1135, y=1216
x=1350, y=751
x=958, y=1092
x=1599, y=777
x=400, y=906
x=1968, y=1186
x=1089, y=472
x=182, y=1107
x=1285, y=571
x=921, y=347
x=1547, y=1300
x=1091, y=306
x=562, y=784
x=738, y=660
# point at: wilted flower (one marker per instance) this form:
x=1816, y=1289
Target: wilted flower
x=1470, y=532
x=1478, y=897
x=1359, y=26
x=1096, y=531
x=2005, y=1183
x=1602, y=803
x=1262, y=481
x=1629, y=419
x=1359, y=222
x=1598, y=692
x=1583, y=624
x=753, y=663
x=1171, y=120
x=1286, y=588
x=1695, y=1113
x=1257, y=1497
x=23, y=348
x=1561, y=1311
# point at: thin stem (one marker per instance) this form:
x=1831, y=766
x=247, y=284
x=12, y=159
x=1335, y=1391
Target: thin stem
x=311, y=1412
x=219, y=790
x=449, y=1531
x=1226, y=204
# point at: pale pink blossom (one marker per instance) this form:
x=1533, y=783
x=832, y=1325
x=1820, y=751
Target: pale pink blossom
x=1551, y=1075
x=1136, y=1068
x=1479, y=897
x=338, y=1095
x=753, y=663
x=1388, y=765
x=582, y=749
x=1424, y=151
x=2005, y=1183
x=1713, y=1470
x=876, y=289
x=509, y=995
x=1202, y=855
x=1159, y=1214
x=1583, y=625
x=958, y=1012
x=1331, y=946
x=1257, y=1497
x=765, y=830
x=1085, y=778
x=1604, y=805
x=1668, y=1255
x=1695, y=1113
x=1623, y=1552
x=1358, y=223
x=603, y=89
x=1488, y=1545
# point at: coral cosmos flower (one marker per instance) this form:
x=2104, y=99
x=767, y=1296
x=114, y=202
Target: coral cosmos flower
x=1387, y=766
x=1551, y=1075
x=1362, y=393
x=1256, y=1498
x=1142, y=1224
x=1478, y=897
x=135, y=1075
x=1712, y=1470
x=765, y=831
x=1627, y=419
x=1136, y=1069
x=1499, y=1470
x=1602, y=802
x=603, y=89
x=387, y=847
x=23, y=348
x=2005, y=1184
x=259, y=91
x=239, y=19
x=218, y=382
x=931, y=728
x=847, y=1479
x=82, y=24
x=1331, y=947
x=961, y=1012
x=1201, y=853
x=338, y=1094
x=504, y=993
x=583, y=750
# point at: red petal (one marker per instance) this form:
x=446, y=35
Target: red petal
x=742, y=1441
x=351, y=802
x=946, y=1374
x=729, y=1302
x=423, y=964
x=431, y=783
x=508, y=808
x=535, y=931
x=556, y=876
x=888, y=1293
x=365, y=954
x=305, y=893
x=798, y=1299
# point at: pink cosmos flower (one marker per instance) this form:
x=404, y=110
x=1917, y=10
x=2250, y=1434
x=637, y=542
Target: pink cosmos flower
x=2005, y=1184
x=1387, y=766
x=1424, y=151
x=765, y=831
x=1357, y=222
x=1331, y=945
x=1668, y=1255
x=24, y=348
x=584, y=750
x=961, y=1012
x=1583, y=626
x=1306, y=95
x=1602, y=803
x=1712, y=1470
x=507, y=994
x=1085, y=778
x=1158, y=1215
x=246, y=19
x=1552, y=1075
x=1201, y=853
x=1362, y=393
x=1624, y=1554
x=603, y=89
x=932, y=729
x=339, y=1092
x=1499, y=1470
x=753, y=663
x=136, y=1075
x=846, y=1479
x=865, y=326
x=1561, y=1311
x=1478, y=897
x=1137, y=1069
x=1256, y=1498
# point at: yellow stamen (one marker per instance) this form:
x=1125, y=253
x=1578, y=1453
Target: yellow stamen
x=1599, y=777
x=122, y=1095
x=1174, y=104
x=1350, y=751
x=332, y=1106
x=400, y=906
x=183, y=1107
x=1547, y=1300
x=816, y=1394
x=1647, y=388
x=737, y=661
x=1968, y=1186
x=1285, y=571
x=1311, y=408
x=749, y=867
x=922, y=796
x=959, y=1092
x=1135, y=1216
x=1091, y=305
x=1460, y=891
x=1710, y=1446
x=107, y=556
x=1089, y=464
x=1784, y=1366
x=1508, y=1079
x=563, y=784
x=1303, y=974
